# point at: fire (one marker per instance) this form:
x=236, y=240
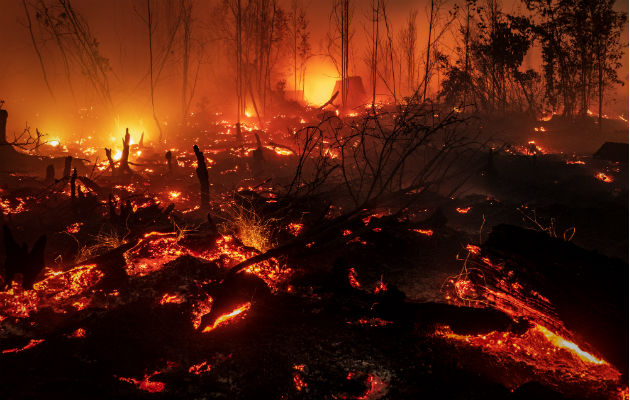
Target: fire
x=604, y=177
x=74, y=228
x=146, y=383
x=173, y=195
x=426, y=232
x=463, y=210
x=79, y=333
x=473, y=249
x=225, y=318
x=575, y=162
x=320, y=81
x=54, y=142
x=295, y=228
x=200, y=309
x=541, y=349
x=380, y=287
x=352, y=278
x=200, y=368
x=117, y=156
x=30, y=345
x=376, y=387
x=171, y=299
x=297, y=378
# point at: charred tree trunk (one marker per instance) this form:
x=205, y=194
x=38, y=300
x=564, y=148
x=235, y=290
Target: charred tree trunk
x=124, y=159
x=20, y=261
x=73, y=184
x=202, y=175
x=50, y=174
x=112, y=164
x=169, y=161
x=3, y=126
x=67, y=166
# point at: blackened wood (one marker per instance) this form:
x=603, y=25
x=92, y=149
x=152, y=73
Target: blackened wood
x=202, y=175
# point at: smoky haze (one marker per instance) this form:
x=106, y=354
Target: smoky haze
x=73, y=109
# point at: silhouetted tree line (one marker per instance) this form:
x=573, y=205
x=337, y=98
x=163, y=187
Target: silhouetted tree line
x=581, y=49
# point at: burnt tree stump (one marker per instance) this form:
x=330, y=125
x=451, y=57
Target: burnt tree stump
x=3, y=126
x=169, y=161
x=67, y=166
x=19, y=260
x=73, y=184
x=50, y=174
x=124, y=159
x=202, y=175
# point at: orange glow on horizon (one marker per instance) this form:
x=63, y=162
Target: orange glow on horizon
x=319, y=82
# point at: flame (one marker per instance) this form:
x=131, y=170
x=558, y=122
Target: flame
x=74, y=228
x=426, y=232
x=539, y=348
x=146, y=384
x=295, y=228
x=79, y=333
x=320, y=81
x=200, y=368
x=173, y=195
x=297, y=378
x=30, y=345
x=225, y=318
x=463, y=210
x=352, y=278
x=54, y=142
x=171, y=299
x=603, y=177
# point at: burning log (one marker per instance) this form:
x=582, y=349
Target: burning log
x=202, y=175
x=587, y=290
x=20, y=260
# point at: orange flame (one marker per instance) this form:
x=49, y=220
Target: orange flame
x=225, y=318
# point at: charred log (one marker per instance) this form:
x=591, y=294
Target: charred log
x=19, y=260
x=202, y=175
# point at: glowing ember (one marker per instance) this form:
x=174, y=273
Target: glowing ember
x=376, y=387
x=603, y=177
x=30, y=345
x=226, y=318
x=79, y=333
x=74, y=228
x=295, y=229
x=174, y=195
x=201, y=308
x=575, y=162
x=542, y=350
x=200, y=368
x=171, y=299
x=473, y=249
x=297, y=378
x=425, y=232
x=380, y=287
x=371, y=322
x=463, y=210
x=352, y=278
x=146, y=383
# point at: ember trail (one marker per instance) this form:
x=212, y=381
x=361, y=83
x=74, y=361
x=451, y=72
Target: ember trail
x=314, y=200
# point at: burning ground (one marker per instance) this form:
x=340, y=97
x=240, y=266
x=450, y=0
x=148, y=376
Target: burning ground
x=279, y=264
